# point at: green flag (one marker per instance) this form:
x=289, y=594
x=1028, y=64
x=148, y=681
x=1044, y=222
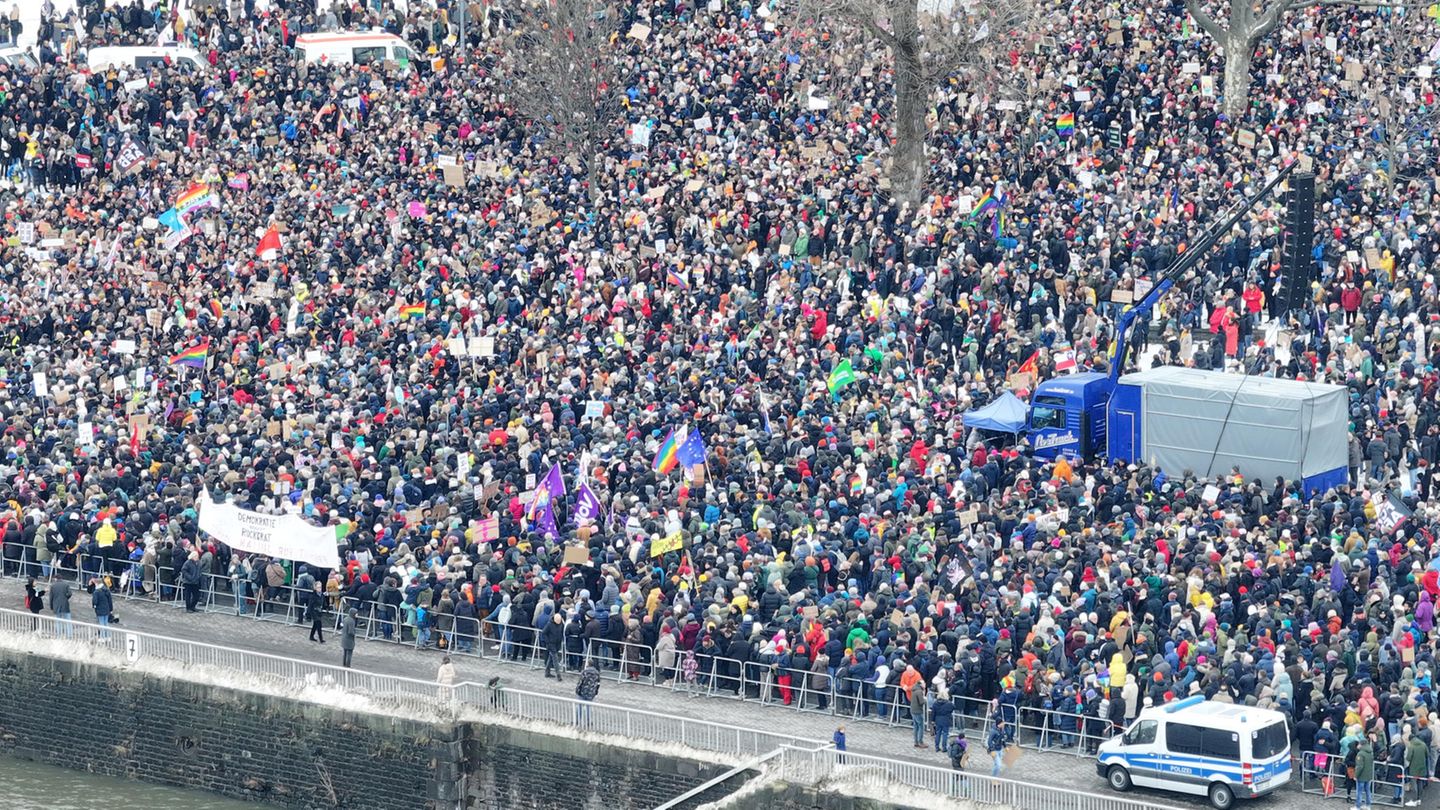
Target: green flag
x=842, y=376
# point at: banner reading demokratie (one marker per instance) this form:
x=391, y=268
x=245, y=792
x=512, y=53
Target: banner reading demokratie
x=283, y=536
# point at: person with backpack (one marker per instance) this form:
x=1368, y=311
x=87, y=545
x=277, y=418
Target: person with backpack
x=586, y=690
x=959, y=752
x=995, y=746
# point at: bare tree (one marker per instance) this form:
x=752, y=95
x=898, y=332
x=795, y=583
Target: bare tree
x=564, y=75
x=1246, y=23
x=1384, y=94
x=929, y=40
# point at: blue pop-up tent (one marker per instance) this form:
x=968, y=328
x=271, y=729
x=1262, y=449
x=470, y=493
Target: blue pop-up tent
x=1006, y=414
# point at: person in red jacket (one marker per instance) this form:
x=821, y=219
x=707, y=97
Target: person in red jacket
x=1350, y=302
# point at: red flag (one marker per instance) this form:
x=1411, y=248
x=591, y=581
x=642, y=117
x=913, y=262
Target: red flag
x=135, y=439
x=269, y=246
x=1028, y=367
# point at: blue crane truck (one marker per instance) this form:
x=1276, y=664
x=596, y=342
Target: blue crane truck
x=1188, y=420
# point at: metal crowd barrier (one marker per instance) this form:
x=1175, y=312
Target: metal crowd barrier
x=809, y=766
x=717, y=676
x=407, y=693
x=1389, y=786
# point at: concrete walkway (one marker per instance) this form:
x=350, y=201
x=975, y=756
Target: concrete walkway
x=275, y=638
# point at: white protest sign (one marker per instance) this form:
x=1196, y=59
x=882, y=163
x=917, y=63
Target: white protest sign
x=124, y=346
x=594, y=409
x=1210, y=494
x=286, y=537
x=42, y=385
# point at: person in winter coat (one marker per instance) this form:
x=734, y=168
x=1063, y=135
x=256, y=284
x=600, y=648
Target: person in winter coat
x=820, y=680
x=1417, y=767
x=190, y=577
x=103, y=603
x=552, y=639
x=665, y=656
x=315, y=612
x=995, y=744
x=941, y=714
x=347, y=636
x=60, y=604
x=586, y=690
x=1365, y=772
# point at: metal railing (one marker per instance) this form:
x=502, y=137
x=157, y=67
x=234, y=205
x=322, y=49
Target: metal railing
x=717, y=676
x=848, y=769
x=1389, y=786
x=408, y=693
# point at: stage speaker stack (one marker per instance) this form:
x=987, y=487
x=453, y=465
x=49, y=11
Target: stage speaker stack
x=1298, y=269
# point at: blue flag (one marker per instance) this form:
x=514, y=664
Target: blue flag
x=692, y=452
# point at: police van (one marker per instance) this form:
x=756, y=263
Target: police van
x=1219, y=750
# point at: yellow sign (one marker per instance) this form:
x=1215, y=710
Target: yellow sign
x=674, y=542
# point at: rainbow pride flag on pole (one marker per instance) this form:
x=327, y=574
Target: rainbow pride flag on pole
x=195, y=198
x=668, y=457
x=412, y=310
x=1065, y=125
x=194, y=357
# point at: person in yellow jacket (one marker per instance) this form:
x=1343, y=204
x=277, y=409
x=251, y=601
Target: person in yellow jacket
x=105, y=539
x=1118, y=673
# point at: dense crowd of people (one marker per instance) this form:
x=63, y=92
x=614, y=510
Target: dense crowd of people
x=427, y=344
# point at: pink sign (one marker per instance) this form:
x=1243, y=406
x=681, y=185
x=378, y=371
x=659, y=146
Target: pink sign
x=416, y=209
x=490, y=529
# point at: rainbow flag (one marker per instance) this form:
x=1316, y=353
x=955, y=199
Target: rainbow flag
x=668, y=456
x=195, y=198
x=194, y=357
x=678, y=279
x=409, y=310
x=1065, y=125
x=985, y=204
x=997, y=225
x=216, y=309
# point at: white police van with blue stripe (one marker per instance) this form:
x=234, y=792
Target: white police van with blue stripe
x=1197, y=746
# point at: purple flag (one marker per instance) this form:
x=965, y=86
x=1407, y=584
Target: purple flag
x=551, y=489
x=587, y=506
x=546, y=524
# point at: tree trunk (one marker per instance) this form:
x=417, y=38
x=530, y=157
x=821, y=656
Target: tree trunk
x=907, y=178
x=909, y=168
x=1239, y=52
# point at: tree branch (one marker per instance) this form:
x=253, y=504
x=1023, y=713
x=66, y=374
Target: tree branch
x=1268, y=21
x=1205, y=21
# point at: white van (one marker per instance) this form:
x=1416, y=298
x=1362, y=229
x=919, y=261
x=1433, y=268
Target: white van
x=1195, y=746
x=354, y=48
x=143, y=58
x=18, y=58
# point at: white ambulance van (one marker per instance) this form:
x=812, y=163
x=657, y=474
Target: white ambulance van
x=354, y=48
x=1196, y=746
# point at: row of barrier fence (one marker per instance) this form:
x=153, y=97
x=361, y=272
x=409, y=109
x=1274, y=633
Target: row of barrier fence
x=715, y=676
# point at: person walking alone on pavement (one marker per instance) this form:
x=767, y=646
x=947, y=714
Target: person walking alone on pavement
x=586, y=690
x=347, y=636
x=315, y=612
x=60, y=606
x=995, y=747
x=445, y=676
x=104, y=605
